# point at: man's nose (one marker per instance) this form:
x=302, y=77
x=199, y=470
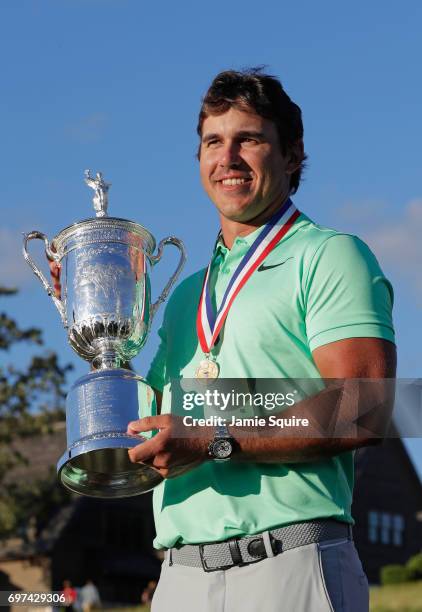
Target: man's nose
x=230, y=155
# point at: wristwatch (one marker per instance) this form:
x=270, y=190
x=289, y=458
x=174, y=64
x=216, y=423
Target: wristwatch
x=222, y=445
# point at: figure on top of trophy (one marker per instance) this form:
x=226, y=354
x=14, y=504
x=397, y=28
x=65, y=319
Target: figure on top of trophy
x=100, y=187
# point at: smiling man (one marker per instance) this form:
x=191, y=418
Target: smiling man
x=262, y=523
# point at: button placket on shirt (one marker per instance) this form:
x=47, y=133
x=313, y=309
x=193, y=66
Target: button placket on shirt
x=234, y=256
x=227, y=261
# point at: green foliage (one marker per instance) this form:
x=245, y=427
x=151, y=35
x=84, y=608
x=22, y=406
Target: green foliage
x=36, y=390
x=394, y=574
x=31, y=400
x=8, y=520
x=38, y=498
x=414, y=567
x=10, y=332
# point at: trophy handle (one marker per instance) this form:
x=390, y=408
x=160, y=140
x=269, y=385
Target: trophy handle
x=154, y=259
x=52, y=256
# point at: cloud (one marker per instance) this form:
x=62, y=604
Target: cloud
x=87, y=129
x=400, y=241
x=397, y=242
x=14, y=272
x=361, y=214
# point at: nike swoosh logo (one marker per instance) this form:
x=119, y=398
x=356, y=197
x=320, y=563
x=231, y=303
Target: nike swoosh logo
x=263, y=267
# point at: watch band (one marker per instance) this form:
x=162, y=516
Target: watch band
x=222, y=431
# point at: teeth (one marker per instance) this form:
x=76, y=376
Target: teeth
x=233, y=181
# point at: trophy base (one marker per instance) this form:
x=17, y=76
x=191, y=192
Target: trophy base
x=106, y=472
x=98, y=409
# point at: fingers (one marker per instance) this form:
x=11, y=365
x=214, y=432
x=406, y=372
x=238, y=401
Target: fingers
x=162, y=461
x=167, y=452
x=147, y=423
x=168, y=462
x=177, y=470
x=55, y=269
x=172, y=471
x=146, y=451
x=164, y=464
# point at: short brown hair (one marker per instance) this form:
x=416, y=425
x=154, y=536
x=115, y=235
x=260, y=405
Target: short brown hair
x=264, y=94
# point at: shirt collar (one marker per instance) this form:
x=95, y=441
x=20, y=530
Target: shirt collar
x=220, y=247
x=245, y=241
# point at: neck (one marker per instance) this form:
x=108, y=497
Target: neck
x=231, y=229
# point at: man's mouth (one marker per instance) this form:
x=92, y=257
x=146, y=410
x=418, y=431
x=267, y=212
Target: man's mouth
x=235, y=181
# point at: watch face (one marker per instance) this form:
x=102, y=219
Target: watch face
x=222, y=449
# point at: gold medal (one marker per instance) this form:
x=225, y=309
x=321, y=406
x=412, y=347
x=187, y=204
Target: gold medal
x=207, y=369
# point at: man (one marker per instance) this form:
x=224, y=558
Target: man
x=90, y=597
x=267, y=529
x=70, y=595
x=318, y=307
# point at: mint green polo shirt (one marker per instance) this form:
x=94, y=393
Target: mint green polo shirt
x=317, y=286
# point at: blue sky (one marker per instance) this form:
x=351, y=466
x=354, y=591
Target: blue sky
x=115, y=85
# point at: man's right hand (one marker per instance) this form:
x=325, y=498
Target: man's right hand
x=55, y=269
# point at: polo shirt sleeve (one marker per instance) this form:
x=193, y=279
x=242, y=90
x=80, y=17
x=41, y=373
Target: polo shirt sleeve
x=156, y=376
x=346, y=295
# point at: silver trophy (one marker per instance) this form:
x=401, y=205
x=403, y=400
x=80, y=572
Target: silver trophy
x=105, y=306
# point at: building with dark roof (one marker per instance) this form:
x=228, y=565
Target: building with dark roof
x=387, y=506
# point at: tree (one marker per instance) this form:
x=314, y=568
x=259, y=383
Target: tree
x=31, y=400
x=414, y=567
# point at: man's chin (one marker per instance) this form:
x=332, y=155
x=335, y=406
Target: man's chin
x=237, y=216
x=237, y=211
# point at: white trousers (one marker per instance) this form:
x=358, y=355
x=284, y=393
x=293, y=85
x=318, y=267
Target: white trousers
x=323, y=577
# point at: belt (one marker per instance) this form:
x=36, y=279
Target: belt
x=244, y=550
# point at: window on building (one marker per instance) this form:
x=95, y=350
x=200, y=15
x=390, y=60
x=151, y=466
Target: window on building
x=398, y=528
x=373, y=526
x=385, y=527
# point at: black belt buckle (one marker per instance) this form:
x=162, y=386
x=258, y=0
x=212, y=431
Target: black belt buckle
x=234, y=552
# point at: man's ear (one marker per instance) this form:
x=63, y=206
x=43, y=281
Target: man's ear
x=296, y=156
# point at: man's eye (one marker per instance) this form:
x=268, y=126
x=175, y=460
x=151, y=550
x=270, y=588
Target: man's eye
x=212, y=143
x=250, y=140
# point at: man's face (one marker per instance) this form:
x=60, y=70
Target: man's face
x=242, y=167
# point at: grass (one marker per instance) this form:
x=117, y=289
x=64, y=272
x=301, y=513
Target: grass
x=405, y=597
x=131, y=609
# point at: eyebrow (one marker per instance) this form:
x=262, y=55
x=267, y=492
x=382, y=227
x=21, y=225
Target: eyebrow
x=241, y=134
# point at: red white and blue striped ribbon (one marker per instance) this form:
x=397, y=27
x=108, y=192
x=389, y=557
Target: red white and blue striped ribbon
x=209, y=323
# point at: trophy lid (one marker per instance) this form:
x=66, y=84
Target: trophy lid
x=102, y=228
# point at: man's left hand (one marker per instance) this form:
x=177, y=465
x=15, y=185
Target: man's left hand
x=175, y=449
